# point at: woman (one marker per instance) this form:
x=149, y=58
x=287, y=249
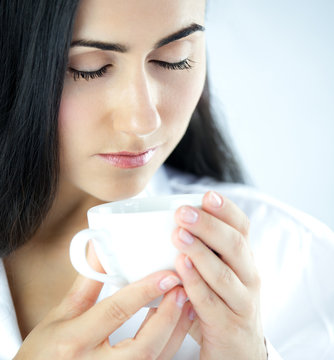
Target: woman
x=95, y=98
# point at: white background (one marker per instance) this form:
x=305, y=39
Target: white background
x=271, y=66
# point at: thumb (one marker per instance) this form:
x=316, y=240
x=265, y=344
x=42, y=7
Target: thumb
x=84, y=292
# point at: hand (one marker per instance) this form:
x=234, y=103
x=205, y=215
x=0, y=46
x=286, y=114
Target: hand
x=79, y=328
x=224, y=286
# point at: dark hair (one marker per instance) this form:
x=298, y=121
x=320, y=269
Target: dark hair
x=205, y=149
x=35, y=37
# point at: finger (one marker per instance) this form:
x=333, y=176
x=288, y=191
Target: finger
x=195, y=331
x=227, y=211
x=149, y=314
x=207, y=304
x=218, y=275
x=181, y=330
x=229, y=243
x=158, y=330
x=83, y=293
x=109, y=314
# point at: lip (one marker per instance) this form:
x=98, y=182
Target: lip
x=127, y=159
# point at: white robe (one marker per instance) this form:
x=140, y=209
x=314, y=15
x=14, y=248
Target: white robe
x=294, y=254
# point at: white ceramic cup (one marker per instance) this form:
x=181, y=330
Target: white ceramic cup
x=132, y=238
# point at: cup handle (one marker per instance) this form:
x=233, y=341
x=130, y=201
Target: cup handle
x=79, y=261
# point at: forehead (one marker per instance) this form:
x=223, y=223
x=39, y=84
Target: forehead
x=135, y=21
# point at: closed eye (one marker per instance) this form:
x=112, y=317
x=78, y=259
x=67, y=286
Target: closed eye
x=182, y=65
x=88, y=75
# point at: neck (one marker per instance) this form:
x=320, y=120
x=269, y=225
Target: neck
x=67, y=216
x=39, y=272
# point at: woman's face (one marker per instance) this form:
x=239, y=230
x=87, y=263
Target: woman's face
x=122, y=93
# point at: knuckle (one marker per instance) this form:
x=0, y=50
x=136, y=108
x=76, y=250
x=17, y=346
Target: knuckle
x=245, y=225
x=209, y=299
x=239, y=243
x=251, y=308
x=170, y=318
x=198, y=254
x=196, y=282
x=67, y=349
x=211, y=225
x=146, y=353
x=77, y=302
x=224, y=276
x=256, y=280
x=148, y=292
x=115, y=312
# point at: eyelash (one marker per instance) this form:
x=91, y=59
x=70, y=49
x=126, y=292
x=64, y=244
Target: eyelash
x=87, y=75
x=182, y=65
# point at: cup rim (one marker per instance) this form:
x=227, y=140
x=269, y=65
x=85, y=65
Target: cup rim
x=192, y=199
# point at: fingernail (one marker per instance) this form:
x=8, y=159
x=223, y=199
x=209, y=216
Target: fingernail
x=169, y=282
x=185, y=237
x=215, y=200
x=189, y=215
x=188, y=263
x=191, y=313
x=181, y=298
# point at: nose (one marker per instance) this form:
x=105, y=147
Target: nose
x=135, y=110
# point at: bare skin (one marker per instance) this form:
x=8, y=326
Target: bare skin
x=109, y=115
x=137, y=104
x=45, y=257
x=66, y=330
x=224, y=287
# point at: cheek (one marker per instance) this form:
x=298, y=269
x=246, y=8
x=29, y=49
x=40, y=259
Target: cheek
x=76, y=120
x=68, y=121
x=65, y=115
x=181, y=97
x=73, y=130
x=74, y=112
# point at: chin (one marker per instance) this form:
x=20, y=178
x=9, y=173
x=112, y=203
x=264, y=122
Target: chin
x=120, y=192
x=118, y=184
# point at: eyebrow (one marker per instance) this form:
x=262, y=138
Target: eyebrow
x=123, y=49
